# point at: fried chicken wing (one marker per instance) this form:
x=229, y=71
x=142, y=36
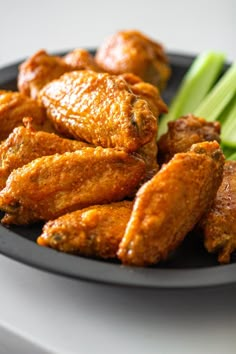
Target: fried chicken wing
x=14, y=107
x=95, y=231
x=101, y=109
x=219, y=224
x=149, y=154
x=81, y=59
x=132, y=51
x=171, y=203
x=25, y=144
x=38, y=70
x=183, y=133
x=51, y=186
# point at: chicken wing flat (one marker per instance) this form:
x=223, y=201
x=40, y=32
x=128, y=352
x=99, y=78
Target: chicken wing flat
x=219, y=224
x=183, y=133
x=25, y=144
x=132, y=51
x=99, y=108
x=95, y=231
x=51, y=186
x=81, y=59
x=38, y=70
x=171, y=203
x=14, y=107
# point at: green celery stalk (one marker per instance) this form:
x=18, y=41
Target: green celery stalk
x=196, y=83
x=228, y=129
x=218, y=98
x=232, y=157
x=227, y=151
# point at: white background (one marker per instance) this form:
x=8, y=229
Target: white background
x=189, y=26
x=65, y=316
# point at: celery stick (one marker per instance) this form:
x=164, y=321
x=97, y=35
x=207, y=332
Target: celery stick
x=218, y=98
x=232, y=157
x=196, y=83
x=228, y=129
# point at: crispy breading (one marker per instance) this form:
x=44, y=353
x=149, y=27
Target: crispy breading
x=101, y=109
x=95, y=231
x=171, y=203
x=132, y=51
x=219, y=224
x=38, y=70
x=51, y=186
x=14, y=107
x=183, y=133
x=25, y=144
x=81, y=59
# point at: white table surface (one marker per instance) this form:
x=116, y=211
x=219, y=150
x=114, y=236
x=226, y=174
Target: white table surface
x=43, y=313
x=68, y=316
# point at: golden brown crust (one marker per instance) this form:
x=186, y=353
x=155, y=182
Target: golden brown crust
x=99, y=108
x=38, y=70
x=14, y=107
x=131, y=51
x=95, y=231
x=219, y=224
x=25, y=144
x=171, y=203
x=183, y=133
x=81, y=59
x=51, y=186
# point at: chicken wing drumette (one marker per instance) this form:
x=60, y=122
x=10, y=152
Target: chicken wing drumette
x=219, y=224
x=81, y=59
x=95, y=231
x=25, y=144
x=101, y=109
x=183, y=133
x=51, y=186
x=171, y=203
x=41, y=68
x=14, y=107
x=132, y=51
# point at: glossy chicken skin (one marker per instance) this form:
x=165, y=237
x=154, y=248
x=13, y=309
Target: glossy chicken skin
x=25, y=144
x=80, y=59
x=38, y=70
x=183, y=133
x=101, y=109
x=51, y=186
x=219, y=224
x=132, y=51
x=95, y=231
x=171, y=203
x=14, y=107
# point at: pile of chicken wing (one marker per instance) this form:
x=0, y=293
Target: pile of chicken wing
x=79, y=151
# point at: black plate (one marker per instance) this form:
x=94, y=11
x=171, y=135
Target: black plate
x=189, y=267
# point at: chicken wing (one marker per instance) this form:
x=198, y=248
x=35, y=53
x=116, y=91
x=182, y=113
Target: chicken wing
x=219, y=224
x=51, y=186
x=183, y=133
x=100, y=109
x=132, y=51
x=95, y=231
x=25, y=144
x=149, y=154
x=14, y=107
x=38, y=70
x=171, y=203
x=81, y=59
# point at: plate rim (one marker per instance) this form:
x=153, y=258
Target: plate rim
x=13, y=246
